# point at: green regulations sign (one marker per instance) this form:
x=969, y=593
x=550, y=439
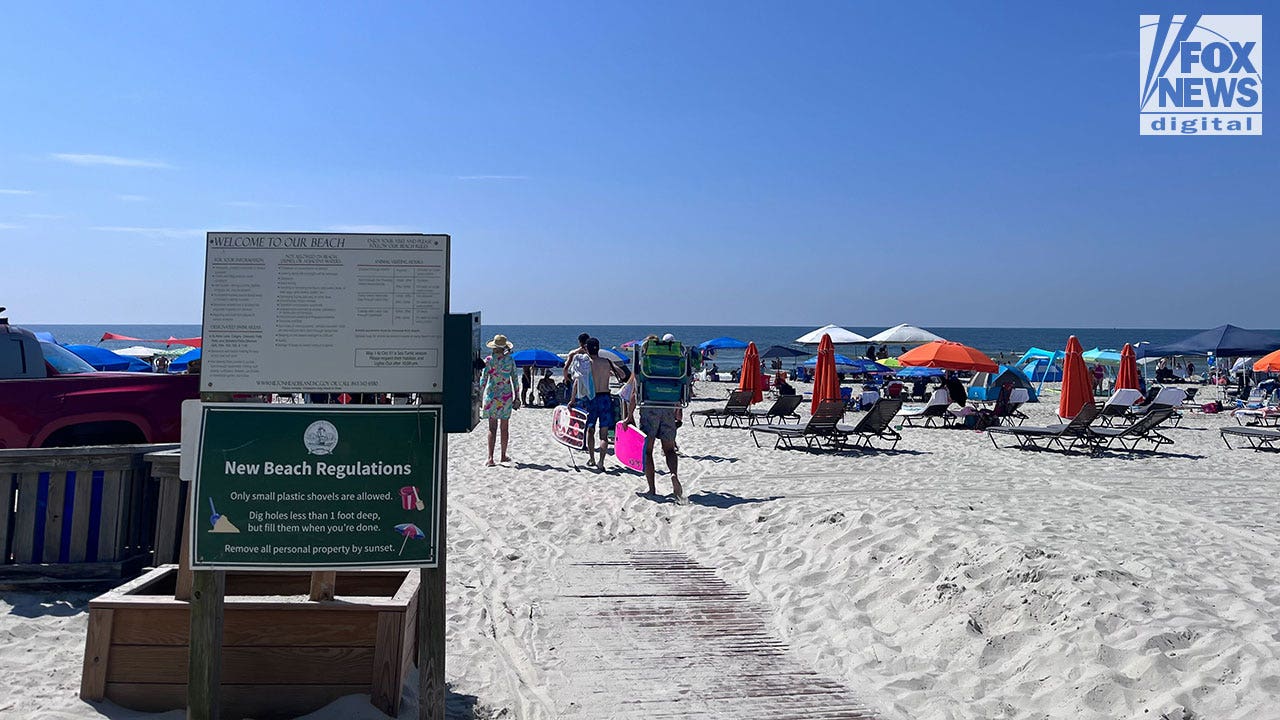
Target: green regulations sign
x=305, y=487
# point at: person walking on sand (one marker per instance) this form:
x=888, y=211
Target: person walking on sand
x=658, y=423
x=500, y=393
x=600, y=406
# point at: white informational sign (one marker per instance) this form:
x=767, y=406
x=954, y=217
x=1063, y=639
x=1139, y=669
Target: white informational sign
x=322, y=312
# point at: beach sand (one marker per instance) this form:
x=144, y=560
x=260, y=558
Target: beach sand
x=946, y=580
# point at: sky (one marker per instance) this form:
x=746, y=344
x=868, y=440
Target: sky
x=942, y=164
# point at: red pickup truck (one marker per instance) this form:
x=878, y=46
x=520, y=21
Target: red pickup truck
x=49, y=397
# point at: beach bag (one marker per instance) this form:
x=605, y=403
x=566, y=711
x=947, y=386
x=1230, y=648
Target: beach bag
x=1210, y=407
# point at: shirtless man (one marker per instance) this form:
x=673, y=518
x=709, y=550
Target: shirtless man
x=600, y=408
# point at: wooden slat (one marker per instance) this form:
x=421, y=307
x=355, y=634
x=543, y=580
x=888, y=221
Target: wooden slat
x=247, y=665
x=204, y=671
x=104, y=457
x=97, y=652
x=431, y=611
x=7, y=484
x=53, y=517
x=80, y=512
x=109, y=524
x=182, y=585
x=24, y=526
x=384, y=690
x=168, y=511
x=295, y=625
x=238, y=701
x=322, y=584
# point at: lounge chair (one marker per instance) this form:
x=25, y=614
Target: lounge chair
x=935, y=410
x=1169, y=397
x=1064, y=435
x=1144, y=430
x=821, y=428
x=784, y=408
x=1258, y=438
x=1118, y=405
x=1017, y=398
x=875, y=424
x=734, y=411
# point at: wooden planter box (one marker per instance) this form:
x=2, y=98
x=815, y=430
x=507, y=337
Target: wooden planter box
x=283, y=655
x=77, y=514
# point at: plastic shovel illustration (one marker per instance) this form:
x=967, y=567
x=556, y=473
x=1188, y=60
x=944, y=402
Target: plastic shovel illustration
x=220, y=523
x=409, y=530
x=409, y=499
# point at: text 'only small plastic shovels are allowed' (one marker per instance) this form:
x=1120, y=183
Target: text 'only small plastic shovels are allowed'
x=409, y=531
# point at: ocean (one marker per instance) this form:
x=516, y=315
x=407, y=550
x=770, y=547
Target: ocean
x=999, y=343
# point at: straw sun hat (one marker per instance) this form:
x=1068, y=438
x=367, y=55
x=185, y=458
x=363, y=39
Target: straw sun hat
x=499, y=341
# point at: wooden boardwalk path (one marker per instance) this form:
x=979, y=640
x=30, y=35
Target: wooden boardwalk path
x=673, y=640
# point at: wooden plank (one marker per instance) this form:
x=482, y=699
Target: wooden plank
x=258, y=665
x=204, y=672
x=102, y=457
x=409, y=651
x=97, y=651
x=322, y=584
x=53, y=517
x=384, y=690
x=182, y=584
x=24, y=525
x=238, y=701
x=80, y=511
x=109, y=522
x=7, y=485
x=431, y=612
x=168, y=513
x=296, y=625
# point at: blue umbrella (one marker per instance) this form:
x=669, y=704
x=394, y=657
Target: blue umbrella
x=537, y=357
x=722, y=343
x=920, y=372
x=847, y=365
x=103, y=359
x=181, y=363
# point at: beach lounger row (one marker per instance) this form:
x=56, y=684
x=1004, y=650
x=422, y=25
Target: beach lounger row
x=1257, y=437
x=1081, y=432
x=737, y=410
x=824, y=431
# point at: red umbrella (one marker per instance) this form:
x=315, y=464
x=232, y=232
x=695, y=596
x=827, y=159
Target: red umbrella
x=949, y=356
x=749, y=378
x=1127, y=379
x=1077, y=381
x=826, y=384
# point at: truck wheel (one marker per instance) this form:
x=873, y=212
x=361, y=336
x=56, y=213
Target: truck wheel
x=99, y=433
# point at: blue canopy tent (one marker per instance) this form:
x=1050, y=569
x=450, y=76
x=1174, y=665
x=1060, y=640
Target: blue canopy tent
x=722, y=343
x=538, y=358
x=1222, y=341
x=182, y=363
x=103, y=359
x=1102, y=357
x=986, y=386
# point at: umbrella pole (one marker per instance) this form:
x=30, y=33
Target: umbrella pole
x=406, y=542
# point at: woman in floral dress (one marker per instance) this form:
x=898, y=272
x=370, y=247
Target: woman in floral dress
x=500, y=396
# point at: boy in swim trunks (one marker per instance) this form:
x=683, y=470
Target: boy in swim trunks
x=599, y=408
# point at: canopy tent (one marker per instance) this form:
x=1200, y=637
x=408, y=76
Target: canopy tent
x=920, y=372
x=722, y=343
x=846, y=365
x=986, y=386
x=782, y=351
x=1223, y=341
x=1035, y=353
x=182, y=363
x=1102, y=357
x=904, y=335
x=103, y=359
x=194, y=342
x=536, y=357
x=839, y=336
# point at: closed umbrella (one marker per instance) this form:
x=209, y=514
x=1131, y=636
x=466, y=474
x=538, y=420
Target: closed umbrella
x=1077, y=381
x=749, y=378
x=826, y=386
x=1127, y=378
x=948, y=356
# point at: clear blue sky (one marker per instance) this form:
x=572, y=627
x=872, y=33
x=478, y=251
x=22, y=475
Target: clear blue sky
x=634, y=162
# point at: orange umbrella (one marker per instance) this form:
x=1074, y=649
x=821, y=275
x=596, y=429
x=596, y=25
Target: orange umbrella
x=948, y=355
x=1268, y=363
x=1077, y=382
x=749, y=378
x=826, y=385
x=1127, y=379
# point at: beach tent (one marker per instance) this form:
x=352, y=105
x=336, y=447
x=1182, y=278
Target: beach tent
x=103, y=359
x=536, y=357
x=1223, y=341
x=920, y=372
x=1035, y=353
x=182, y=363
x=904, y=335
x=838, y=335
x=848, y=366
x=722, y=343
x=986, y=386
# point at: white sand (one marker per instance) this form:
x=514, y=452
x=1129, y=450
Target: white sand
x=948, y=580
